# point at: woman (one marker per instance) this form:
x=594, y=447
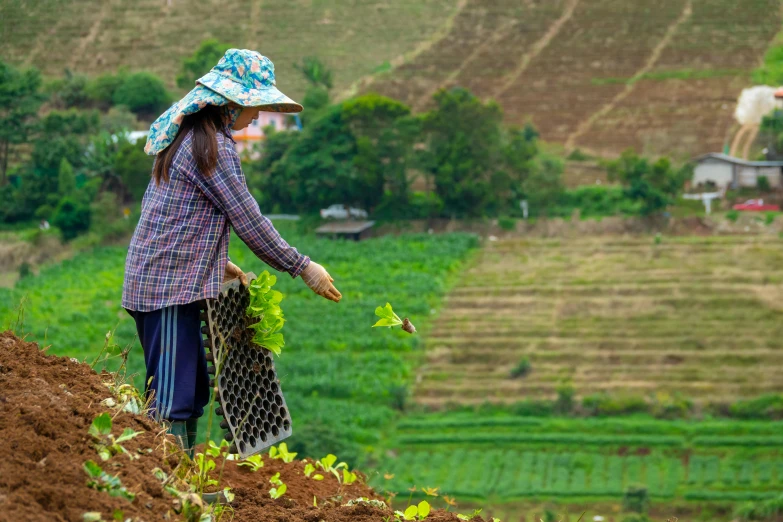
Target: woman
x=179, y=252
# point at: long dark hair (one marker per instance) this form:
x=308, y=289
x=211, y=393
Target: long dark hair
x=205, y=125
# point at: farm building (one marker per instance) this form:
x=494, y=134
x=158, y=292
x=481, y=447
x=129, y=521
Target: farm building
x=254, y=133
x=730, y=172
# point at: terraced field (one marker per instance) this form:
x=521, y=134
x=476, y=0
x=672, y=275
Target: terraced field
x=509, y=459
x=661, y=76
x=700, y=316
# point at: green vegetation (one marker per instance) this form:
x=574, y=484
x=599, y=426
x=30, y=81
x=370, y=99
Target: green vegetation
x=636, y=459
x=265, y=308
x=343, y=381
x=678, y=74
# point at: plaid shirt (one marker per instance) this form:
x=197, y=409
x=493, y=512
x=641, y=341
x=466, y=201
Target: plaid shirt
x=179, y=251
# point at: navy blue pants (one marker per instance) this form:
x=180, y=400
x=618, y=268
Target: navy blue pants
x=177, y=376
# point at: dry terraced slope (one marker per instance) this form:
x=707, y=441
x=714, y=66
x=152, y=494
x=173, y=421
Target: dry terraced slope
x=354, y=37
x=701, y=316
x=658, y=75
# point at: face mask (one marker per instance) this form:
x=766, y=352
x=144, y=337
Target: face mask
x=231, y=114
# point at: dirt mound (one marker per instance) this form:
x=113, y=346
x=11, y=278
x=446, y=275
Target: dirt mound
x=47, y=405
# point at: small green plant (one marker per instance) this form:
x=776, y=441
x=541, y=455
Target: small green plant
x=389, y=319
x=732, y=215
x=107, y=444
x=636, y=499
x=25, y=270
x=265, y=308
x=507, y=223
x=213, y=450
x=658, y=239
x=254, y=462
x=308, y=470
x=476, y=512
x=349, y=477
x=203, y=465
x=281, y=452
x=762, y=183
x=522, y=368
x=279, y=489
x=414, y=512
x=102, y=481
x=769, y=218
x=327, y=464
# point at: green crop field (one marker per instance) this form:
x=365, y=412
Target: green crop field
x=699, y=316
x=342, y=379
x=502, y=460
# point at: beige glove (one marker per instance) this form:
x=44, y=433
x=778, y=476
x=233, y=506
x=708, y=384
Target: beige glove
x=232, y=272
x=320, y=282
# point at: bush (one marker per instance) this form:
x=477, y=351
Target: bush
x=670, y=406
x=732, y=215
x=762, y=183
x=565, y=397
x=533, y=408
x=71, y=218
x=143, y=93
x=25, y=270
x=507, y=223
x=636, y=499
x=603, y=404
x=761, y=408
x=769, y=218
x=521, y=369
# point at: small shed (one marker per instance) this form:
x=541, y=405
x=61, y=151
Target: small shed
x=730, y=172
x=355, y=230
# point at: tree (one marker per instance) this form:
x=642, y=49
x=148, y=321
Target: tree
x=464, y=149
x=315, y=72
x=143, y=93
x=71, y=217
x=134, y=166
x=70, y=91
x=654, y=185
x=20, y=99
x=101, y=89
x=200, y=62
x=66, y=179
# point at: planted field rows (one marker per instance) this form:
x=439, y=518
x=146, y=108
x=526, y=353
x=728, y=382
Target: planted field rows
x=696, y=316
x=660, y=76
x=515, y=457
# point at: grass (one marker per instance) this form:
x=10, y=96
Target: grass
x=681, y=74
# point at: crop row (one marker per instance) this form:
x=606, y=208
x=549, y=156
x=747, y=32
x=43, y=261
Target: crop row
x=479, y=473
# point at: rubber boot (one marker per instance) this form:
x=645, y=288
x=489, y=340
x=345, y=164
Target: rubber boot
x=180, y=432
x=192, y=429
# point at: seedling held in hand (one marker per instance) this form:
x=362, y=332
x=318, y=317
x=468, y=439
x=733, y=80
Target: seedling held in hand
x=389, y=319
x=265, y=306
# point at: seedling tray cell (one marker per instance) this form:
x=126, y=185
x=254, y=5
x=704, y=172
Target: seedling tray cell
x=248, y=391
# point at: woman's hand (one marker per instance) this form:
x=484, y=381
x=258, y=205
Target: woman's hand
x=233, y=272
x=320, y=282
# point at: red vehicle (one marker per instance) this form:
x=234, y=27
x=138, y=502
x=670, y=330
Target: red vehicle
x=756, y=205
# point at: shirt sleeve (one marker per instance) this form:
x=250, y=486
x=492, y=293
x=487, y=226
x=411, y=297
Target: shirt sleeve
x=227, y=190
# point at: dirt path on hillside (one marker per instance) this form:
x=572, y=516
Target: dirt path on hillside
x=649, y=64
x=539, y=46
x=89, y=38
x=423, y=47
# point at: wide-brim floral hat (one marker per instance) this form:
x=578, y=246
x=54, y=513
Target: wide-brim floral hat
x=241, y=76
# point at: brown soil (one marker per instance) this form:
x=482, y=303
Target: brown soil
x=47, y=404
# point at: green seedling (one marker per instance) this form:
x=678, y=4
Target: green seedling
x=279, y=489
x=389, y=319
x=308, y=470
x=102, y=481
x=213, y=450
x=471, y=516
x=265, y=307
x=327, y=464
x=281, y=452
x=107, y=444
x=127, y=399
x=349, y=477
x=414, y=512
x=254, y=463
x=204, y=466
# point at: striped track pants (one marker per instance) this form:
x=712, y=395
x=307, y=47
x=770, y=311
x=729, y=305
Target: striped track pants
x=176, y=362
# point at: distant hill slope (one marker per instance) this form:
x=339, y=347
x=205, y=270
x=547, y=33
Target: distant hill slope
x=658, y=75
x=354, y=37
x=602, y=75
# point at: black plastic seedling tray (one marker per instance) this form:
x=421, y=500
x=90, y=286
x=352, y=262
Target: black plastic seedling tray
x=248, y=391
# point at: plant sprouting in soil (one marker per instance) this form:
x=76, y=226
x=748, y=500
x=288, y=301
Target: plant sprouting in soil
x=281, y=452
x=107, y=444
x=265, y=307
x=308, y=470
x=102, y=481
x=203, y=465
x=279, y=487
x=414, y=512
x=389, y=319
x=327, y=464
x=349, y=477
x=476, y=512
x=254, y=462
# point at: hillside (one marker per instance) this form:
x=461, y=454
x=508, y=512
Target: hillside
x=699, y=316
x=602, y=75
